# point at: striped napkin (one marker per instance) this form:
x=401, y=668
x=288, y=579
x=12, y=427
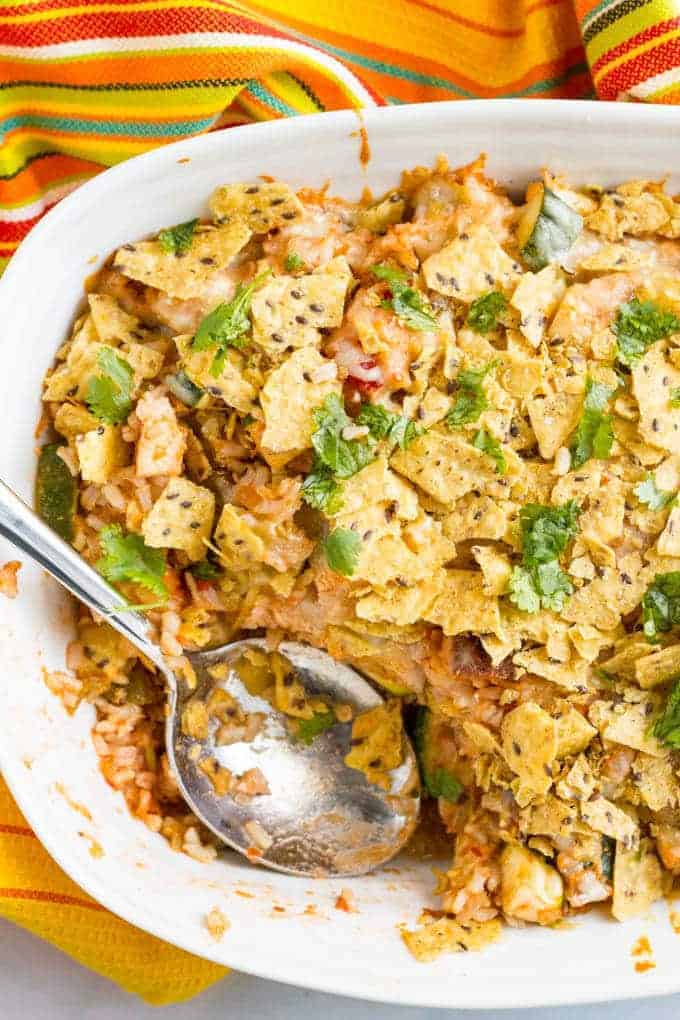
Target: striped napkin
x=86, y=85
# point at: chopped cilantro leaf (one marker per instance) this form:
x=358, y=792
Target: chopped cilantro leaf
x=395, y=428
x=540, y=581
x=344, y=457
x=651, y=495
x=594, y=434
x=342, y=549
x=639, y=324
x=471, y=399
x=674, y=399
x=484, y=311
x=176, y=240
x=205, y=570
x=667, y=726
x=228, y=325
x=406, y=302
x=293, y=262
x=442, y=783
x=308, y=729
x=321, y=490
x=489, y=445
x=547, y=531
x=127, y=558
x=109, y=395
x=522, y=591
x=661, y=605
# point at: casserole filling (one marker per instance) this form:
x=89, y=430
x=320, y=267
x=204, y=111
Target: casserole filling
x=437, y=435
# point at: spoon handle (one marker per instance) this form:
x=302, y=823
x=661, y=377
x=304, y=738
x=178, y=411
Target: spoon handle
x=31, y=535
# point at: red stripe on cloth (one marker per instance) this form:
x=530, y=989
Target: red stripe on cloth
x=129, y=25
x=639, y=69
x=17, y=830
x=653, y=32
x=42, y=896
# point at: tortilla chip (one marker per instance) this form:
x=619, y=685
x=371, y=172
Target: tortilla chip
x=72, y=378
x=536, y=297
x=262, y=206
x=399, y=606
x=471, y=265
x=613, y=258
x=588, y=309
x=668, y=543
x=574, y=733
x=613, y=593
x=289, y=397
x=579, y=783
x=522, y=371
x=603, y=816
x=529, y=740
x=657, y=667
x=637, y=215
x=550, y=817
x=496, y=569
x=626, y=653
x=181, y=518
x=628, y=724
x=654, y=378
x=573, y=676
x=230, y=385
x=185, y=276
x=101, y=451
x=554, y=416
x=288, y=311
x=656, y=781
x=638, y=880
x=602, y=522
x=444, y=935
x=477, y=516
x=589, y=641
x=445, y=465
x=626, y=433
x=462, y=606
x=374, y=485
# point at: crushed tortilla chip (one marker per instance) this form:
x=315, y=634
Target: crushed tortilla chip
x=536, y=297
x=637, y=880
x=529, y=738
x=444, y=935
x=289, y=397
x=471, y=265
x=261, y=206
x=186, y=276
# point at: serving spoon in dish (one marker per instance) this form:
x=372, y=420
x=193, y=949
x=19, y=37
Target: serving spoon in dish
x=317, y=816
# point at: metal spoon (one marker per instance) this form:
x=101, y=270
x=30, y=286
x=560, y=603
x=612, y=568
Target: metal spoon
x=321, y=817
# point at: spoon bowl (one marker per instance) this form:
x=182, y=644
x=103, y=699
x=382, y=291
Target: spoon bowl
x=314, y=815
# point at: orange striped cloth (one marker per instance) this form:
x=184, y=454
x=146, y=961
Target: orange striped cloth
x=84, y=85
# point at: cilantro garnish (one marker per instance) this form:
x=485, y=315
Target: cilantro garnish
x=344, y=457
x=395, y=428
x=292, y=262
x=639, y=324
x=308, y=729
x=594, y=434
x=661, y=605
x=176, y=240
x=406, y=302
x=342, y=549
x=471, y=399
x=205, y=570
x=127, y=558
x=321, y=491
x=484, y=311
x=651, y=495
x=228, y=325
x=489, y=445
x=442, y=783
x=109, y=395
x=540, y=581
x=667, y=726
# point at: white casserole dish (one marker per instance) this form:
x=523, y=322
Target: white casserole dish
x=46, y=756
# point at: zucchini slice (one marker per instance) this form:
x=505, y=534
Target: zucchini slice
x=436, y=753
x=181, y=386
x=55, y=492
x=548, y=227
